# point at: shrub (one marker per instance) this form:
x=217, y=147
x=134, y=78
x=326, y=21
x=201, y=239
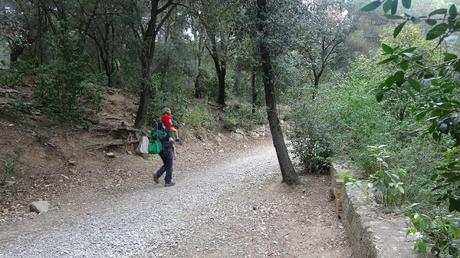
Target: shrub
x=344, y=119
x=67, y=92
x=439, y=234
x=387, y=180
x=67, y=87
x=311, y=146
x=11, y=79
x=172, y=91
x=241, y=116
x=9, y=167
x=197, y=117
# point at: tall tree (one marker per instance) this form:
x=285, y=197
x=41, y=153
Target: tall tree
x=217, y=19
x=287, y=169
x=197, y=41
x=146, y=33
x=23, y=23
x=99, y=19
x=328, y=22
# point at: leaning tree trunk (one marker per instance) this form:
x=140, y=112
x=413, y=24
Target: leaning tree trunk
x=287, y=169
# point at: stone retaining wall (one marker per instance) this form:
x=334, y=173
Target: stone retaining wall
x=371, y=233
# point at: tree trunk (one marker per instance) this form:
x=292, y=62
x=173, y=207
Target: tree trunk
x=199, y=57
x=287, y=169
x=237, y=84
x=315, y=85
x=198, y=86
x=221, y=69
x=109, y=79
x=146, y=57
x=16, y=52
x=221, y=96
x=253, y=91
x=165, y=66
x=142, y=111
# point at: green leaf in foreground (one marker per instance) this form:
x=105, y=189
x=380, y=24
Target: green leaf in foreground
x=387, y=49
x=442, y=11
x=431, y=22
x=394, y=7
x=398, y=29
x=387, y=60
x=437, y=31
x=404, y=65
x=407, y=3
x=371, y=6
x=387, y=6
x=414, y=84
x=409, y=50
x=453, y=11
x=449, y=57
x=379, y=96
x=420, y=246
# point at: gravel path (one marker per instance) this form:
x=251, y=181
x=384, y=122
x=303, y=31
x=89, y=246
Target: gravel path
x=236, y=208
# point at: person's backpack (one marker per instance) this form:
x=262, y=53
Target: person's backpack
x=162, y=133
x=159, y=136
x=155, y=147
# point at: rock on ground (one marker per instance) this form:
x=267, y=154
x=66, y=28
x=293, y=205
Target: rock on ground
x=39, y=206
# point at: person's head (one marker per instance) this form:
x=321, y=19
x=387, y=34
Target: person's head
x=166, y=110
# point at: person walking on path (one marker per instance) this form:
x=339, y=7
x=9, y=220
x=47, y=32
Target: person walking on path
x=167, y=154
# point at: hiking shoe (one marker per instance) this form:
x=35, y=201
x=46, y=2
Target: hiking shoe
x=155, y=178
x=169, y=184
x=178, y=141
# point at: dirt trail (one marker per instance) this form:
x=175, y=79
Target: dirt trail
x=234, y=208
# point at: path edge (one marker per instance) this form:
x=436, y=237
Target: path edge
x=371, y=233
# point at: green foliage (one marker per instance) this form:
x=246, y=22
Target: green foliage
x=387, y=180
x=321, y=36
x=412, y=36
x=348, y=179
x=432, y=87
x=210, y=85
x=351, y=124
x=354, y=122
x=11, y=80
x=241, y=116
x=66, y=86
x=9, y=168
x=199, y=118
x=196, y=118
x=311, y=146
x=66, y=92
x=173, y=93
x=439, y=234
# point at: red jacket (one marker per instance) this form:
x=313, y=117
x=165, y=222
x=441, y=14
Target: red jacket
x=166, y=119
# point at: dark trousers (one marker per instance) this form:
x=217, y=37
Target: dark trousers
x=167, y=156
